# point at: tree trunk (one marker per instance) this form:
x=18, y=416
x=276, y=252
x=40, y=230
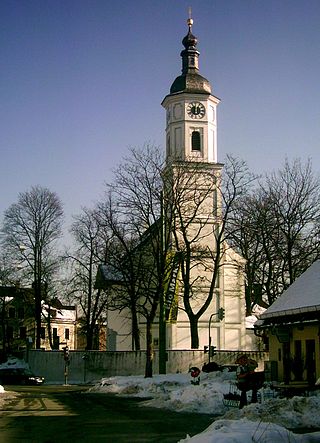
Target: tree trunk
x=49, y=328
x=38, y=311
x=135, y=331
x=194, y=332
x=89, y=337
x=248, y=298
x=3, y=355
x=149, y=361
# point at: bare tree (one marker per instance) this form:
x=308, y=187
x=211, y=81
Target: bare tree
x=133, y=210
x=31, y=227
x=91, y=249
x=293, y=193
x=203, y=200
x=159, y=214
x=124, y=262
x=278, y=231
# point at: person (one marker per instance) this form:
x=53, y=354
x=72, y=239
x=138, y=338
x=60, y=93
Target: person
x=246, y=379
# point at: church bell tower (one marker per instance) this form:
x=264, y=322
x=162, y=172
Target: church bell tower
x=191, y=130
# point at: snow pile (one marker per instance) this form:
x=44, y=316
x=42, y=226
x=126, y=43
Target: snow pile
x=296, y=412
x=174, y=391
x=244, y=431
x=14, y=362
x=142, y=387
x=268, y=421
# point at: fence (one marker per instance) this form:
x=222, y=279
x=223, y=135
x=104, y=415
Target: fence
x=91, y=366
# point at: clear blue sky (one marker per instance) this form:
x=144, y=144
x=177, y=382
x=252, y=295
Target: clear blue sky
x=82, y=80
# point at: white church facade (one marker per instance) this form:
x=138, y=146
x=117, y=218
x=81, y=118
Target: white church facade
x=191, y=139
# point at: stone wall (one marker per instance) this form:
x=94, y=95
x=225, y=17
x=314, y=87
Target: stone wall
x=91, y=366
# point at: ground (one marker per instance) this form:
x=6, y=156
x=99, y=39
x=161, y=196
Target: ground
x=271, y=420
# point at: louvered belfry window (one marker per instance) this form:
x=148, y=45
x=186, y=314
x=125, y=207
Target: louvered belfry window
x=195, y=141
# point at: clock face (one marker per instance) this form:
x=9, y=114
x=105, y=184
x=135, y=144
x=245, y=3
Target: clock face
x=196, y=110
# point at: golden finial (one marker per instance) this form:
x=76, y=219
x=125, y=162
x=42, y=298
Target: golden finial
x=190, y=21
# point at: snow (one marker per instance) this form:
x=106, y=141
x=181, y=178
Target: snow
x=267, y=421
x=14, y=362
x=301, y=296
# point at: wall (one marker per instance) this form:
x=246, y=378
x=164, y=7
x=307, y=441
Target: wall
x=302, y=333
x=91, y=366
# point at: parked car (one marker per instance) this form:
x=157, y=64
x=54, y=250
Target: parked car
x=19, y=376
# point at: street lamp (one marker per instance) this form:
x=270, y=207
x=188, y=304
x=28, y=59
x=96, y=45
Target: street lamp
x=220, y=314
x=162, y=319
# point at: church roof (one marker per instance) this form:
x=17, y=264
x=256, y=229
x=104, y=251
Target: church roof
x=302, y=297
x=106, y=276
x=191, y=83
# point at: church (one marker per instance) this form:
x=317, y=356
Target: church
x=192, y=147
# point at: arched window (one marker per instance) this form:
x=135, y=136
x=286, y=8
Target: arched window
x=195, y=141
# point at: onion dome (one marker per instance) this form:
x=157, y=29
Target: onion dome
x=190, y=80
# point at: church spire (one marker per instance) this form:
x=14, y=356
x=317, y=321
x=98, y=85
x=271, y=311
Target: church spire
x=190, y=80
x=190, y=55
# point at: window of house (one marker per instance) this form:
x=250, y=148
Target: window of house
x=23, y=332
x=67, y=333
x=12, y=312
x=43, y=333
x=196, y=141
x=53, y=313
x=55, y=332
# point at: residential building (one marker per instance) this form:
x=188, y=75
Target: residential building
x=292, y=327
x=18, y=322
x=59, y=327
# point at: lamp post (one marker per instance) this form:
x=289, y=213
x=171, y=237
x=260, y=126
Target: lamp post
x=210, y=335
x=162, y=319
x=220, y=314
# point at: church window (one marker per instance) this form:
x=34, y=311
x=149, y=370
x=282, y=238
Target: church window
x=195, y=141
x=177, y=143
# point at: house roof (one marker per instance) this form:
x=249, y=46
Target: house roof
x=106, y=276
x=303, y=296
